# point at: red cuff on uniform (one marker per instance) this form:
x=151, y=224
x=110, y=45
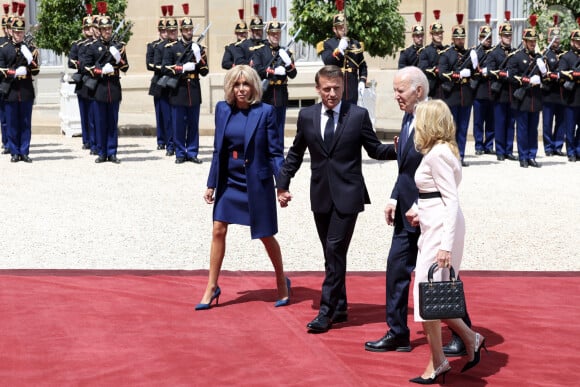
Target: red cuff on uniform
x=503, y=74
x=576, y=74
x=11, y=72
x=98, y=71
x=270, y=70
x=455, y=76
x=178, y=69
x=525, y=80
x=336, y=53
x=553, y=75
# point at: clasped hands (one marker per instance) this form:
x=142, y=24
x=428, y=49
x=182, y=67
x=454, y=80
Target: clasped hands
x=284, y=197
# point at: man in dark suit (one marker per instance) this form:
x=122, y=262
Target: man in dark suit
x=410, y=87
x=334, y=132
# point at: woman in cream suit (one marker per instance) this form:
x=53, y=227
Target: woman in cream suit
x=442, y=226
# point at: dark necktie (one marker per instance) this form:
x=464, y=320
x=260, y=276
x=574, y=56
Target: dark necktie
x=329, y=128
x=405, y=131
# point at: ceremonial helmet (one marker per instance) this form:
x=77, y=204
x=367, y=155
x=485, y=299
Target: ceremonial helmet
x=5, y=16
x=186, y=22
x=436, y=27
x=506, y=28
x=18, y=23
x=170, y=21
x=88, y=20
x=339, y=18
x=531, y=33
x=162, y=19
x=274, y=25
x=105, y=21
x=485, y=30
x=458, y=30
x=575, y=34
x=256, y=23
x=554, y=32
x=241, y=27
x=418, y=29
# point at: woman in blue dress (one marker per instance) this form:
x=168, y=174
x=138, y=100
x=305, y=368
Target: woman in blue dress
x=247, y=154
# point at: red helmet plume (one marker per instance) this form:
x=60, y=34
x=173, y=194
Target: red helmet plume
x=340, y=5
x=507, y=15
x=459, y=17
x=418, y=16
x=21, y=7
x=487, y=17
x=89, y=8
x=274, y=12
x=556, y=19
x=533, y=20
x=256, y=9
x=170, y=10
x=241, y=13
x=436, y=13
x=185, y=7
x=164, y=10
x=14, y=7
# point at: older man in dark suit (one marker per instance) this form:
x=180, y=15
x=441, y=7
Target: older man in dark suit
x=334, y=133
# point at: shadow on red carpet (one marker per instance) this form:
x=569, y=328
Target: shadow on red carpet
x=63, y=327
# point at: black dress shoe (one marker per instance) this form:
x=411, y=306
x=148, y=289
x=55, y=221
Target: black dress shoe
x=389, y=342
x=25, y=158
x=489, y=152
x=549, y=153
x=5, y=151
x=179, y=160
x=500, y=158
x=511, y=157
x=524, y=163
x=478, y=152
x=454, y=347
x=320, y=324
x=100, y=159
x=464, y=163
x=114, y=159
x=533, y=163
x=194, y=160
x=572, y=159
x=559, y=153
x=86, y=146
x=93, y=152
x=160, y=147
x=14, y=159
x=170, y=153
x=339, y=316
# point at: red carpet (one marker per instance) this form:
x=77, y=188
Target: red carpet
x=104, y=328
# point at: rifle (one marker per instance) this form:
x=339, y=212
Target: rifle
x=520, y=93
x=276, y=60
x=173, y=81
x=496, y=85
x=19, y=60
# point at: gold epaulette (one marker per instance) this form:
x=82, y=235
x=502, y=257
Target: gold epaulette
x=238, y=42
x=257, y=47
x=445, y=49
x=170, y=44
x=512, y=53
x=362, y=46
x=3, y=44
x=320, y=46
x=420, y=49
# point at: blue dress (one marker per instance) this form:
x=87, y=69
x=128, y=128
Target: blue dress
x=232, y=205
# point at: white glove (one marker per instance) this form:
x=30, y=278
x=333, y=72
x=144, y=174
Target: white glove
x=484, y=71
x=116, y=54
x=196, y=51
x=361, y=88
x=280, y=70
x=465, y=73
x=27, y=54
x=535, y=80
x=342, y=45
x=474, y=60
x=21, y=71
x=285, y=57
x=107, y=69
x=541, y=66
x=189, y=66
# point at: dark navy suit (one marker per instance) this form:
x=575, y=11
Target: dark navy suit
x=340, y=167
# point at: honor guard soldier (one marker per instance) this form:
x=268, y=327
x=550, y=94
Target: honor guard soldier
x=154, y=89
x=455, y=67
x=161, y=90
x=3, y=40
x=234, y=53
x=256, y=38
x=18, y=63
x=75, y=64
x=553, y=126
x=184, y=61
x=275, y=65
x=410, y=55
x=504, y=121
x=346, y=53
x=483, y=120
x=105, y=60
x=569, y=67
x=429, y=56
x=525, y=71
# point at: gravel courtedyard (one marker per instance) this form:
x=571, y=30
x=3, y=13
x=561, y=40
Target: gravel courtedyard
x=63, y=211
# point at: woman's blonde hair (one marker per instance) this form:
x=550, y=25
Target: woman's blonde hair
x=251, y=77
x=434, y=125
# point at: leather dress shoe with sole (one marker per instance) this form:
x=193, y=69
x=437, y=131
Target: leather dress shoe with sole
x=320, y=324
x=389, y=342
x=194, y=160
x=25, y=158
x=511, y=157
x=14, y=159
x=114, y=159
x=478, y=152
x=464, y=163
x=489, y=152
x=5, y=151
x=455, y=347
x=500, y=158
x=533, y=163
x=524, y=163
x=572, y=159
x=559, y=153
x=170, y=153
x=179, y=160
x=100, y=159
x=339, y=316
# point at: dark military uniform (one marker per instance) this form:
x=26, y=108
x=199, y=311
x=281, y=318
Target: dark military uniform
x=456, y=91
x=569, y=70
x=410, y=56
x=155, y=91
x=106, y=94
x=483, y=120
x=521, y=67
x=233, y=55
x=185, y=98
x=553, y=126
x=352, y=63
x=504, y=120
x=18, y=93
x=3, y=127
x=428, y=61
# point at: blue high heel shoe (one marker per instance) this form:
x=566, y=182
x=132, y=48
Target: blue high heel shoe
x=215, y=296
x=285, y=301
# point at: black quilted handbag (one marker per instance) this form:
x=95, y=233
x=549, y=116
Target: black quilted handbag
x=441, y=300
